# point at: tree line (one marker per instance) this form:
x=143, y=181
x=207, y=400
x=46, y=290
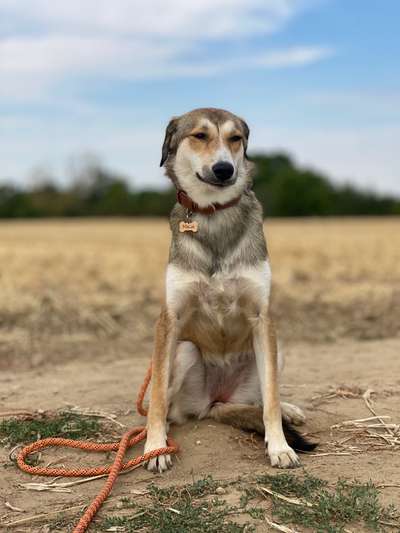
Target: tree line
x=283, y=188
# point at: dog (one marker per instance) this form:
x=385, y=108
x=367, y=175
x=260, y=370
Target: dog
x=216, y=353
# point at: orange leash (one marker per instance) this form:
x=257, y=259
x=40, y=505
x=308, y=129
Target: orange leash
x=128, y=439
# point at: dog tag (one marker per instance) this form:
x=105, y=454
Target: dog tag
x=188, y=226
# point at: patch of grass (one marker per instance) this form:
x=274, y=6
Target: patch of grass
x=199, y=488
x=127, y=503
x=68, y=425
x=256, y=512
x=187, y=509
x=331, y=510
x=202, y=487
x=186, y=517
x=197, y=508
x=245, y=497
x=290, y=485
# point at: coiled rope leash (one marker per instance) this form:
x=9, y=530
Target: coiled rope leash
x=128, y=439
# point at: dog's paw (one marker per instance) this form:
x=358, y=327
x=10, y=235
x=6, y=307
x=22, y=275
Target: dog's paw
x=292, y=414
x=161, y=463
x=283, y=457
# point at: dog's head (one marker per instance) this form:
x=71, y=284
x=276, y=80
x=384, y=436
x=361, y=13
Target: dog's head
x=204, y=153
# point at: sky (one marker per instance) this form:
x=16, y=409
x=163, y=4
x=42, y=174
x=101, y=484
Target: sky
x=319, y=79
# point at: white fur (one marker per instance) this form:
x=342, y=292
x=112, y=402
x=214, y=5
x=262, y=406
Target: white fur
x=178, y=280
x=189, y=393
x=292, y=414
x=157, y=440
x=188, y=163
x=227, y=126
x=280, y=453
x=196, y=377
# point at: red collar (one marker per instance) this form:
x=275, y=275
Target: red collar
x=185, y=200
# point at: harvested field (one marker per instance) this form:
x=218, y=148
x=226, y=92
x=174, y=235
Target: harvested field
x=79, y=299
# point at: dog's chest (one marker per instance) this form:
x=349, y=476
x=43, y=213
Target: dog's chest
x=217, y=312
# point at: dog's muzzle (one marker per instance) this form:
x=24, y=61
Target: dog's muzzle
x=221, y=175
x=223, y=171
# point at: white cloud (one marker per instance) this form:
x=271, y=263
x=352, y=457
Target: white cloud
x=284, y=58
x=158, y=18
x=61, y=54
x=295, y=56
x=45, y=42
x=366, y=156
x=38, y=63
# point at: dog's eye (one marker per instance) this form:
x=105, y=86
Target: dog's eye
x=235, y=138
x=199, y=135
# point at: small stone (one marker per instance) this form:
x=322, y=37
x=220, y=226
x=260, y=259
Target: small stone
x=198, y=442
x=220, y=490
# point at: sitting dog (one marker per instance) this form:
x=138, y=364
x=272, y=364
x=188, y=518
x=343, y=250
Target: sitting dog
x=215, y=352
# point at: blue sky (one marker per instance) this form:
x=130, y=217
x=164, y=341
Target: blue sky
x=317, y=78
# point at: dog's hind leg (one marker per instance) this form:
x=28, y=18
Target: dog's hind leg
x=242, y=416
x=186, y=393
x=250, y=418
x=292, y=414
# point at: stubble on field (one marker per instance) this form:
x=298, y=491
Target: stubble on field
x=79, y=300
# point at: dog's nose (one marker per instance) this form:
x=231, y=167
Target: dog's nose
x=223, y=170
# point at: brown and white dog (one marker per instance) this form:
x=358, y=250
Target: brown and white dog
x=215, y=350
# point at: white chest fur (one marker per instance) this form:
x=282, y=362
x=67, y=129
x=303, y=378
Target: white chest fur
x=216, y=312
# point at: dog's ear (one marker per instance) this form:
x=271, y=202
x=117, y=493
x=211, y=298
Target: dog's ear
x=246, y=133
x=169, y=135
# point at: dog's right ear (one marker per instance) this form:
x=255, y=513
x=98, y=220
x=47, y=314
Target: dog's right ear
x=168, y=140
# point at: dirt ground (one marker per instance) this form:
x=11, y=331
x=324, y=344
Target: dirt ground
x=78, y=304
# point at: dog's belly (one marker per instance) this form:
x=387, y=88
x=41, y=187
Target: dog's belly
x=236, y=381
x=198, y=384
x=218, y=315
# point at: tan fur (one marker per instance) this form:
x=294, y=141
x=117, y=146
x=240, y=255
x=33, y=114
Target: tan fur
x=183, y=154
x=215, y=350
x=215, y=139
x=164, y=349
x=220, y=321
x=248, y=417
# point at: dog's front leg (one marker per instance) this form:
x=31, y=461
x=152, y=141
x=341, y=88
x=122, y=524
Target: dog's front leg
x=265, y=348
x=164, y=349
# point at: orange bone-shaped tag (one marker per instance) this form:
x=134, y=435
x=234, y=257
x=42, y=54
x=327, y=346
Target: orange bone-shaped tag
x=188, y=226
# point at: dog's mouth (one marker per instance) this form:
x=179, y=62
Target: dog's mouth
x=216, y=183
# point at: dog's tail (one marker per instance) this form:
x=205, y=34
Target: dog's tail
x=296, y=439
x=250, y=418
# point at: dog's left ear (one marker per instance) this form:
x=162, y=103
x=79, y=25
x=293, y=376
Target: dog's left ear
x=169, y=135
x=246, y=133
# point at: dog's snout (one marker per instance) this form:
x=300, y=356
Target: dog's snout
x=223, y=170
